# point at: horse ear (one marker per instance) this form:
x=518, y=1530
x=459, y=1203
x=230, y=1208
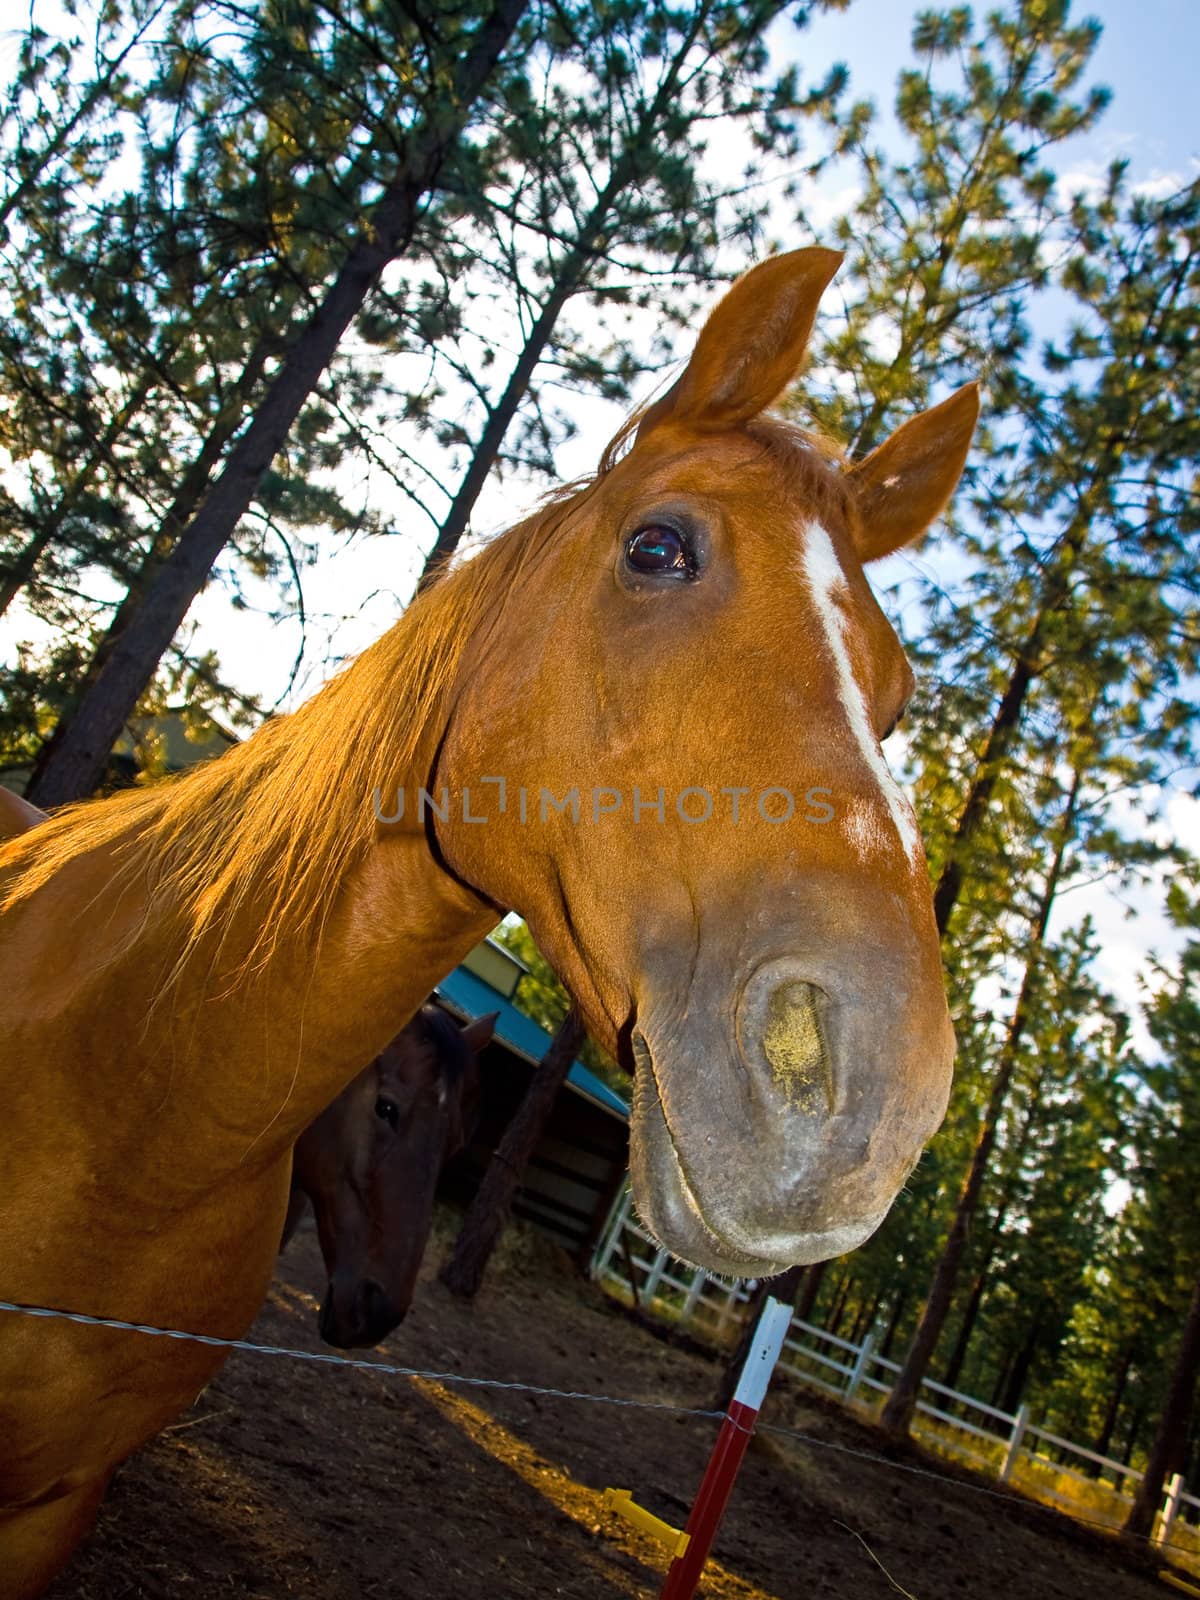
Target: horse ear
x=905, y=483
x=479, y=1033
x=752, y=345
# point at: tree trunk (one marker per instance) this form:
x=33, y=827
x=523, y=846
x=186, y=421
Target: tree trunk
x=897, y=1413
x=463, y=1272
x=896, y=1418
x=967, y=1327
x=1018, y=1373
x=979, y=1288
x=500, y=416
x=983, y=781
x=1113, y=1410
x=864, y=1320
x=1170, y=1440
x=179, y=513
x=1054, y=595
x=639, y=152
x=810, y=1289
x=1135, y=1428
x=839, y=1305
x=1001, y=1382
x=80, y=757
x=893, y=1327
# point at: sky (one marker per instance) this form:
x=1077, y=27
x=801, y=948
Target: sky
x=1147, y=56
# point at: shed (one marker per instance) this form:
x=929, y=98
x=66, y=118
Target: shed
x=579, y=1164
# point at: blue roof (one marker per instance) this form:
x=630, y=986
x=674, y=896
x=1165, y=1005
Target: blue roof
x=470, y=995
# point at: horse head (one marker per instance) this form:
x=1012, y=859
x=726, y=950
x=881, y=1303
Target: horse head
x=685, y=693
x=370, y=1165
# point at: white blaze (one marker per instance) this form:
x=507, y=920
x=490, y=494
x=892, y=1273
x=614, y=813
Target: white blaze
x=820, y=565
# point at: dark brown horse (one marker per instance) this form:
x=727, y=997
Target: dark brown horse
x=370, y=1163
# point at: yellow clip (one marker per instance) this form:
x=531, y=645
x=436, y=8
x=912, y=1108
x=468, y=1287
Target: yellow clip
x=622, y=1502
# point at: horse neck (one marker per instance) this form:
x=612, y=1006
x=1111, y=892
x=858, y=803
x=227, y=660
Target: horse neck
x=235, y=1071
x=234, y=1041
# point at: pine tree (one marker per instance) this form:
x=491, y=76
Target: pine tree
x=1170, y=1224
x=630, y=218
x=463, y=62
x=1085, y=549
x=146, y=317
x=950, y=235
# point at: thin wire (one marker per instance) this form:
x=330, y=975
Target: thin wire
x=355, y=1363
x=899, y=1587
x=882, y=1461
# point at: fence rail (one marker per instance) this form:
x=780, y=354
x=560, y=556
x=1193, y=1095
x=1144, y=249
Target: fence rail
x=628, y=1259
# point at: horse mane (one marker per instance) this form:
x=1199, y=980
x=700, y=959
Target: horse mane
x=289, y=811
x=277, y=822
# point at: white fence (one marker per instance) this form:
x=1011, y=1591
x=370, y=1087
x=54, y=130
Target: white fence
x=1010, y=1446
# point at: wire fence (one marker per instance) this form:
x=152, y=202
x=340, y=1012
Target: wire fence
x=392, y=1369
x=356, y=1363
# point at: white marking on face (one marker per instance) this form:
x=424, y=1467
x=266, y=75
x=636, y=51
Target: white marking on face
x=820, y=565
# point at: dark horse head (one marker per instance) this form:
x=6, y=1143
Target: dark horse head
x=370, y=1164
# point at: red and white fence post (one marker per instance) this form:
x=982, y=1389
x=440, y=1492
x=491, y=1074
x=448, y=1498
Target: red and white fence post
x=713, y=1494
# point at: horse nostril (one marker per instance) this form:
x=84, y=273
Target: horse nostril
x=781, y=1024
x=327, y=1322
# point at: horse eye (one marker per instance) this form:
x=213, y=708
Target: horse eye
x=657, y=548
x=388, y=1110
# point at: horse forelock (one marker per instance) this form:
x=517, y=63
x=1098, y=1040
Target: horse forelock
x=452, y=1053
x=809, y=462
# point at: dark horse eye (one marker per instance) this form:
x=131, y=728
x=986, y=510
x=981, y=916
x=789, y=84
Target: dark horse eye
x=388, y=1110
x=657, y=548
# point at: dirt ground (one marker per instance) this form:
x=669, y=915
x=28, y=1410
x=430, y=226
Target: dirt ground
x=288, y=1479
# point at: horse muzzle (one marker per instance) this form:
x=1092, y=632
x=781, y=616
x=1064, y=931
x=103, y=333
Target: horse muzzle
x=779, y=1132
x=357, y=1315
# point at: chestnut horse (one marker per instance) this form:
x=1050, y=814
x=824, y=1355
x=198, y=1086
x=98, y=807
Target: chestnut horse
x=664, y=693
x=370, y=1164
